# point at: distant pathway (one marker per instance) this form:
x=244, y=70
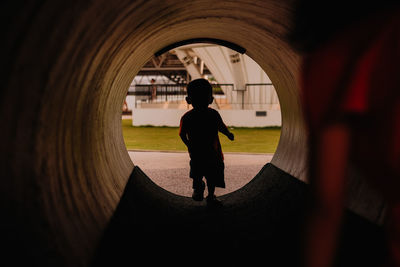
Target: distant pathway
x=170, y=170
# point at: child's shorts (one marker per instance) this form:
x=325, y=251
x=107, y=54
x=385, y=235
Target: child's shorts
x=212, y=171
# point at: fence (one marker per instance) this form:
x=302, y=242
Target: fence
x=259, y=96
x=253, y=96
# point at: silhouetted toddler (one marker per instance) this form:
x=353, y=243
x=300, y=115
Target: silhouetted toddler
x=199, y=131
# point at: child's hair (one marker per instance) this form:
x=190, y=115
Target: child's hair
x=199, y=88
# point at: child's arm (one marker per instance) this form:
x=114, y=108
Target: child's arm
x=224, y=130
x=183, y=134
x=185, y=139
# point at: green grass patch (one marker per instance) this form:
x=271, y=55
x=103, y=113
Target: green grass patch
x=250, y=140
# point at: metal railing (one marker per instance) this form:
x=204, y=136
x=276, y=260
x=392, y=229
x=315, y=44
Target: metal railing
x=259, y=96
x=253, y=96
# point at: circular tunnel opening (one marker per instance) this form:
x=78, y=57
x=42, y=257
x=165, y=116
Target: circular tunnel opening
x=69, y=178
x=79, y=60
x=243, y=95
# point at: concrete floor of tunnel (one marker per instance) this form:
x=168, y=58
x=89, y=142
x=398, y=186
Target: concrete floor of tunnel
x=261, y=222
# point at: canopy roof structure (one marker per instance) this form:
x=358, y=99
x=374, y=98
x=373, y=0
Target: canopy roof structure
x=217, y=63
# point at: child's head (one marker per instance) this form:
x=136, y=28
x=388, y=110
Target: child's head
x=199, y=93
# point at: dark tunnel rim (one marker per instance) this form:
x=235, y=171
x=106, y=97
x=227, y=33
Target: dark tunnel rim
x=230, y=45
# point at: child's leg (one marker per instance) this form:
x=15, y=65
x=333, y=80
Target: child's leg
x=211, y=199
x=210, y=188
x=198, y=188
x=198, y=183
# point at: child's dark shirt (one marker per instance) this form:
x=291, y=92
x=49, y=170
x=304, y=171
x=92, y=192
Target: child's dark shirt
x=201, y=127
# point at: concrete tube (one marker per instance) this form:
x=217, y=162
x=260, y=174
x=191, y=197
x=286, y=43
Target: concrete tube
x=66, y=69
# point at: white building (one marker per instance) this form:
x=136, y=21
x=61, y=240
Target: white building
x=248, y=100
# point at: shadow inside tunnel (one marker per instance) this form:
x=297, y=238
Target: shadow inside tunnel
x=259, y=223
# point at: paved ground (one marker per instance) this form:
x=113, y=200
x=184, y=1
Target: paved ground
x=170, y=170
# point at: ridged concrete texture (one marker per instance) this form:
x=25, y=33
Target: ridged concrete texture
x=258, y=224
x=65, y=70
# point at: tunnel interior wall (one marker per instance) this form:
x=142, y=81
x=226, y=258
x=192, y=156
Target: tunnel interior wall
x=66, y=70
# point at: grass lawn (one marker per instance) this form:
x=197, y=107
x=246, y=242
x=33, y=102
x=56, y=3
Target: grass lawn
x=252, y=140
